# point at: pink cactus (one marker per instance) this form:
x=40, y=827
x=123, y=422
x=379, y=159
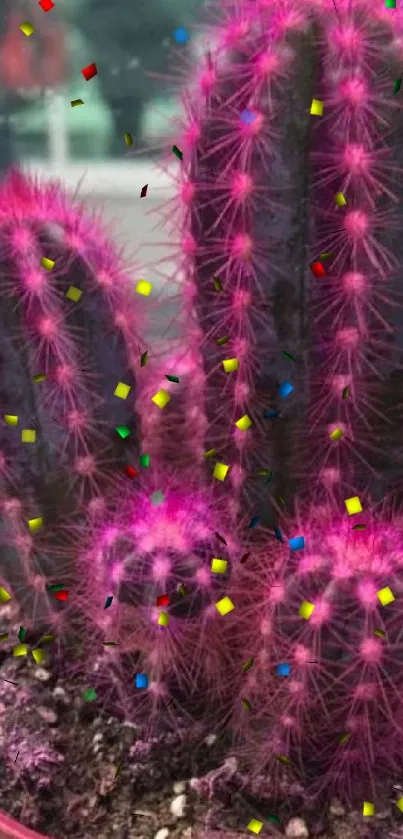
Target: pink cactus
x=69, y=336
x=281, y=371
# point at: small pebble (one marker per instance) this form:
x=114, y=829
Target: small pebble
x=297, y=829
x=60, y=695
x=178, y=806
x=336, y=808
x=41, y=674
x=179, y=787
x=163, y=833
x=47, y=715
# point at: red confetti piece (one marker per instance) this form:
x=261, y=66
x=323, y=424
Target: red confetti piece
x=318, y=270
x=61, y=595
x=130, y=472
x=162, y=600
x=46, y=5
x=143, y=192
x=89, y=72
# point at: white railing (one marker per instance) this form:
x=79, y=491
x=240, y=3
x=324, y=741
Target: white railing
x=123, y=177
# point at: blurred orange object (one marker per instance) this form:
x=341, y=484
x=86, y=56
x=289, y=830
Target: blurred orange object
x=38, y=62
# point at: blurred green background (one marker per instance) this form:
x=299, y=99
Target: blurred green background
x=127, y=39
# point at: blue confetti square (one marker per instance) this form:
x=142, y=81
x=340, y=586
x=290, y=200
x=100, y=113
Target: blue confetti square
x=248, y=116
x=271, y=414
x=296, y=543
x=278, y=534
x=254, y=521
x=141, y=680
x=108, y=601
x=283, y=669
x=181, y=35
x=285, y=389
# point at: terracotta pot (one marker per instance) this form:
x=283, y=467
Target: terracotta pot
x=11, y=829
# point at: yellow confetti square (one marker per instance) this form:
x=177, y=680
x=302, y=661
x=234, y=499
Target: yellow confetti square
x=161, y=398
x=368, y=808
x=340, y=199
x=230, y=365
x=306, y=609
x=47, y=263
x=255, y=826
x=224, y=606
x=27, y=28
x=399, y=804
x=218, y=566
x=220, y=471
x=10, y=419
x=73, y=293
x=20, y=649
x=38, y=655
x=143, y=287
x=316, y=108
x=35, y=524
x=28, y=435
x=353, y=505
x=337, y=434
x=4, y=595
x=40, y=377
x=122, y=390
x=163, y=619
x=385, y=596
x=243, y=423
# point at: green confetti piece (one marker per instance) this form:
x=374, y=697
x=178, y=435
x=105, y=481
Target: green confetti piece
x=22, y=633
x=217, y=284
x=56, y=587
x=144, y=460
x=359, y=527
x=40, y=377
x=344, y=738
x=172, y=378
x=210, y=453
x=390, y=4
x=128, y=139
x=221, y=341
x=326, y=255
x=246, y=704
x=346, y=392
x=110, y=644
x=397, y=86
x=288, y=355
x=248, y=664
x=123, y=431
x=273, y=818
x=89, y=695
x=178, y=152
x=4, y=637
x=143, y=360
x=75, y=102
